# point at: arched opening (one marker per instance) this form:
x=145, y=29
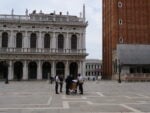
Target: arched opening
x=33, y=40
x=19, y=40
x=74, y=42
x=73, y=69
x=3, y=70
x=4, y=40
x=60, y=68
x=46, y=69
x=60, y=42
x=47, y=41
x=32, y=70
x=18, y=70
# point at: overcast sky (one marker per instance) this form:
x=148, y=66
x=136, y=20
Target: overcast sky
x=93, y=16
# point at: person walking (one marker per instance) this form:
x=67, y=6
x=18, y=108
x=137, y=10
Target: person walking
x=57, y=81
x=80, y=83
x=61, y=78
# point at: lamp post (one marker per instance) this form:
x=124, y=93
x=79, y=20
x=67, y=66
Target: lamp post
x=119, y=66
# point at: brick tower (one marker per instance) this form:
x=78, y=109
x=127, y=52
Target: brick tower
x=124, y=21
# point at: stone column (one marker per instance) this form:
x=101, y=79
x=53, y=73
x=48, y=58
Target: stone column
x=67, y=42
x=53, y=69
x=80, y=67
x=80, y=41
x=83, y=69
x=66, y=69
x=53, y=42
x=10, y=71
x=11, y=40
x=40, y=40
x=25, y=71
x=39, y=71
x=39, y=44
x=83, y=41
x=26, y=41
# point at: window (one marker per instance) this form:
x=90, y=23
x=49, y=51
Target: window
x=120, y=22
x=33, y=40
x=19, y=40
x=74, y=42
x=4, y=40
x=120, y=4
x=60, y=41
x=121, y=40
x=4, y=26
x=47, y=41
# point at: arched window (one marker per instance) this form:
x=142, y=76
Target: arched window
x=47, y=41
x=60, y=41
x=74, y=42
x=19, y=40
x=33, y=40
x=5, y=40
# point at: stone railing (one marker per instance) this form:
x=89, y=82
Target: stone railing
x=40, y=50
x=45, y=18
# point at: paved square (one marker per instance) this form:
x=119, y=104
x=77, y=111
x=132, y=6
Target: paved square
x=99, y=97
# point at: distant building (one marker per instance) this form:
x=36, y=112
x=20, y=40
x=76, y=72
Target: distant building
x=93, y=68
x=124, y=22
x=33, y=46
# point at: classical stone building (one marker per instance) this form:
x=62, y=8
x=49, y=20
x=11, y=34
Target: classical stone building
x=37, y=44
x=124, y=22
x=93, y=68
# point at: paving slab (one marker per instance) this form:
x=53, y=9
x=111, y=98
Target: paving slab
x=98, y=97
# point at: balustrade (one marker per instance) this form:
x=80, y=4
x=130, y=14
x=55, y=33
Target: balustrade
x=41, y=50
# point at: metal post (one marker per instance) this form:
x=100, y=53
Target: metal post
x=119, y=80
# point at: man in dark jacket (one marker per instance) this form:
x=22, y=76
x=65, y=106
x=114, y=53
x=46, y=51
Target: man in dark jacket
x=68, y=83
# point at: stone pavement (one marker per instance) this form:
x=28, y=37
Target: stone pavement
x=98, y=97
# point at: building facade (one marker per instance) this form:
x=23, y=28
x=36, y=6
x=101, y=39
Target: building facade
x=124, y=22
x=93, y=68
x=33, y=46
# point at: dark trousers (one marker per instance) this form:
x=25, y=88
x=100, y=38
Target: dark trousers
x=81, y=88
x=56, y=87
x=61, y=85
x=67, y=88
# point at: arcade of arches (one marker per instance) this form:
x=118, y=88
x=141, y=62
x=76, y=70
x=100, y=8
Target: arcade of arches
x=28, y=70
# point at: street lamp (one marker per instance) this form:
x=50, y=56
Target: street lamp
x=119, y=66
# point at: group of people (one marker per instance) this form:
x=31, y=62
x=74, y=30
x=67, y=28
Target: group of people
x=72, y=83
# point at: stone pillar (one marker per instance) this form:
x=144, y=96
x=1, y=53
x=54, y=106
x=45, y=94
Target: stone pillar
x=39, y=71
x=26, y=40
x=53, y=69
x=83, y=41
x=66, y=69
x=80, y=67
x=67, y=41
x=25, y=71
x=11, y=40
x=40, y=40
x=53, y=42
x=83, y=69
x=10, y=71
x=80, y=41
